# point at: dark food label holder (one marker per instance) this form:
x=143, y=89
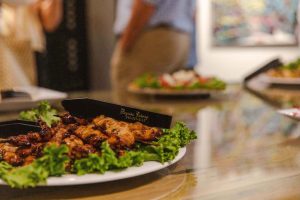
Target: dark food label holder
x=90, y=108
x=271, y=65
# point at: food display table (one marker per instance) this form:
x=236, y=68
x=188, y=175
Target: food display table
x=245, y=150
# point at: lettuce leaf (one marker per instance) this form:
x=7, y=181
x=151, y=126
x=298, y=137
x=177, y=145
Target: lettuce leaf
x=44, y=111
x=107, y=161
x=147, y=80
x=52, y=163
x=95, y=163
x=167, y=147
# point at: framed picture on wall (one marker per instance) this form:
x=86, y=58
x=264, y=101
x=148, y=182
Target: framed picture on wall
x=254, y=23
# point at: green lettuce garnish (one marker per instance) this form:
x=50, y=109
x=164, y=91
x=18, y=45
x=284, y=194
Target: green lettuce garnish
x=147, y=81
x=52, y=163
x=167, y=147
x=44, y=111
x=107, y=161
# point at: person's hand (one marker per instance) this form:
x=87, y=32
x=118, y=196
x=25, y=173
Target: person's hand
x=126, y=44
x=140, y=16
x=50, y=13
x=35, y=6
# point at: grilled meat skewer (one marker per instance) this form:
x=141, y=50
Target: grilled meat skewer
x=80, y=135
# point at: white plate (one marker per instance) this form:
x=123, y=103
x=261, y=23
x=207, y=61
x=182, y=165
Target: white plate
x=293, y=113
x=37, y=94
x=282, y=81
x=171, y=92
x=130, y=172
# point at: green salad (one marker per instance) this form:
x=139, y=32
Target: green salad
x=295, y=65
x=290, y=70
x=179, y=81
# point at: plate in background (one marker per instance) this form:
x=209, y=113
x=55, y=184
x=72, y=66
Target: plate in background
x=36, y=93
x=282, y=81
x=171, y=92
x=293, y=113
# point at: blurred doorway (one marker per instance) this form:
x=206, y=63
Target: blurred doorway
x=100, y=17
x=65, y=65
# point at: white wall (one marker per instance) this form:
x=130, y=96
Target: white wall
x=233, y=63
x=100, y=16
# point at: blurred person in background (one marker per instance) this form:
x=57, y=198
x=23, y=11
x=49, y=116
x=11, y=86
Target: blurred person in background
x=22, y=25
x=297, y=24
x=193, y=54
x=153, y=36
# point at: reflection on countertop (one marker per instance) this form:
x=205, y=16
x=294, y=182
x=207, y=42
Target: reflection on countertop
x=244, y=150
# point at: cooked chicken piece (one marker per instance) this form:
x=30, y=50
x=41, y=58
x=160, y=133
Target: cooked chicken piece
x=127, y=132
x=20, y=140
x=82, y=151
x=25, y=140
x=37, y=149
x=35, y=137
x=125, y=135
x=28, y=160
x=113, y=141
x=77, y=149
x=24, y=152
x=69, y=119
x=73, y=141
x=144, y=133
x=90, y=135
x=104, y=123
x=8, y=154
x=114, y=128
x=59, y=134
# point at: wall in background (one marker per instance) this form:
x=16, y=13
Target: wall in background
x=100, y=18
x=232, y=63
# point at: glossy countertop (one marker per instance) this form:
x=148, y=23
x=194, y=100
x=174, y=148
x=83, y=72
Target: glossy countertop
x=245, y=150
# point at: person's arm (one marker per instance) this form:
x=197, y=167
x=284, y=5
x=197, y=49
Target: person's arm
x=140, y=16
x=50, y=12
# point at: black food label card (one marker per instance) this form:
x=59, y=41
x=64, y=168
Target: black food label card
x=89, y=108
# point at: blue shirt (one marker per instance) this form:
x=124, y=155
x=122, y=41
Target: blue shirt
x=123, y=13
x=176, y=13
x=193, y=56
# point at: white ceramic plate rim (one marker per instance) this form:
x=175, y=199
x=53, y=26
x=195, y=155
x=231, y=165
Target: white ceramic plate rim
x=37, y=94
x=130, y=172
x=291, y=113
x=172, y=92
